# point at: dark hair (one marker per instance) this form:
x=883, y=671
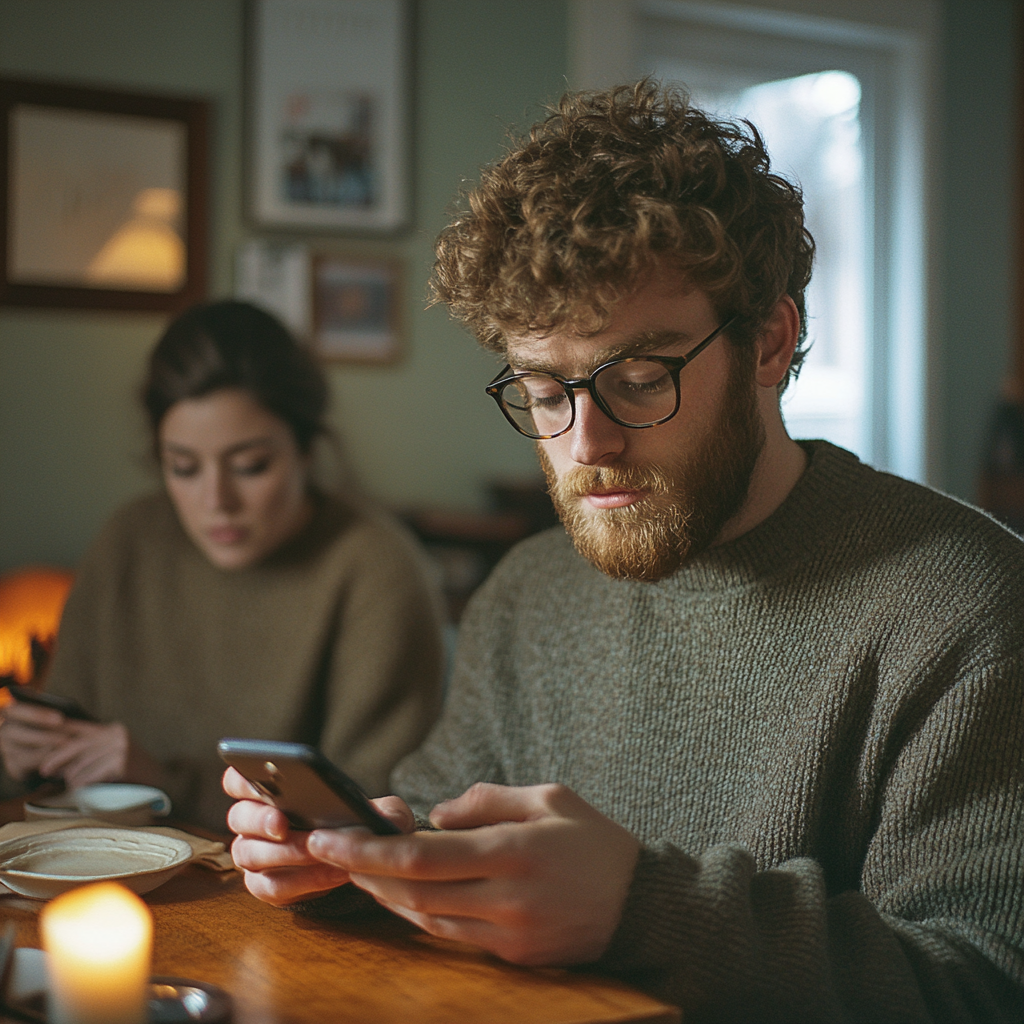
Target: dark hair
x=609, y=185
x=236, y=345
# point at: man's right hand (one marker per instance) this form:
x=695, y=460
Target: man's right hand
x=28, y=735
x=278, y=867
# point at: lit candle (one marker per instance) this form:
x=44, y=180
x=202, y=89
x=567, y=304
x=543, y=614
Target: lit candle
x=97, y=940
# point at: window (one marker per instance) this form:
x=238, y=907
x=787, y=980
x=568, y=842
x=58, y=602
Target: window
x=840, y=104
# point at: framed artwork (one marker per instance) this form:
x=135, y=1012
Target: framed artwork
x=104, y=198
x=328, y=114
x=356, y=310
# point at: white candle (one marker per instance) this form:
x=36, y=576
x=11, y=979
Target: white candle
x=98, y=940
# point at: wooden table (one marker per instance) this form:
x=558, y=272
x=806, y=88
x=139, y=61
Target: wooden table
x=374, y=969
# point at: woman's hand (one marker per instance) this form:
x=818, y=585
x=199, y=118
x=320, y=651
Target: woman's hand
x=43, y=740
x=279, y=869
x=100, y=752
x=28, y=735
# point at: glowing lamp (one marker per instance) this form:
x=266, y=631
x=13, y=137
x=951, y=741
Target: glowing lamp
x=98, y=940
x=31, y=602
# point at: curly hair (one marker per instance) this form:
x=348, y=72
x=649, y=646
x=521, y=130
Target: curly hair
x=609, y=185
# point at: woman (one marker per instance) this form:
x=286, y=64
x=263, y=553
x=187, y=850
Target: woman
x=240, y=600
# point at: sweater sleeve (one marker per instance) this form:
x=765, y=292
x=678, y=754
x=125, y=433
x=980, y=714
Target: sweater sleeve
x=934, y=932
x=385, y=676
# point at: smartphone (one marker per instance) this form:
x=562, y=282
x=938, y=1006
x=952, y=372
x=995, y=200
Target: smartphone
x=298, y=780
x=67, y=705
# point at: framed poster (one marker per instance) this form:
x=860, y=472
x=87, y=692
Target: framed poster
x=104, y=198
x=356, y=310
x=328, y=114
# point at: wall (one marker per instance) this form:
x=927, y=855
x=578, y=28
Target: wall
x=71, y=441
x=978, y=125
x=71, y=444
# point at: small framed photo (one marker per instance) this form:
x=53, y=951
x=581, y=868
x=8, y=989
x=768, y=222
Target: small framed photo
x=356, y=310
x=328, y=114
x=104, y=198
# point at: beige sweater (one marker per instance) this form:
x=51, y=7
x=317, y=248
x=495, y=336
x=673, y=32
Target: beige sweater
x=817, y=731
x=333, y=640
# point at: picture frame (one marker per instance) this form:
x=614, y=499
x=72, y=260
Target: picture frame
x=356, y=309
x=328, y=119
x=104, y=198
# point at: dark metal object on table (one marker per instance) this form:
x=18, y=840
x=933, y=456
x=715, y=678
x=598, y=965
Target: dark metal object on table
x=179, y=1000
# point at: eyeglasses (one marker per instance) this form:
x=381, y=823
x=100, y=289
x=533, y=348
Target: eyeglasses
x=637, y=392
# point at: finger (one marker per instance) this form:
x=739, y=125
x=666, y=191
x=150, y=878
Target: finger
x=289, y=885
x=396, y=810
x=476, y=898
x=237, y=785
x=258, y=820
x=438, y=856
x=66, y=753
x=488, y=935
x=261, y=855
x=34, y=716
x=488, y=804
x=29, y=737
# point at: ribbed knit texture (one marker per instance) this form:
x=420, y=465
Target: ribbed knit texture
x=333, y=640
x=817, y=731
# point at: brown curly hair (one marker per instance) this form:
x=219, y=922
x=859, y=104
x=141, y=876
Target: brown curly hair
x=608, y=185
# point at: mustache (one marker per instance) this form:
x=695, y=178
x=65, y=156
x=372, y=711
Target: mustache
x=582, y=480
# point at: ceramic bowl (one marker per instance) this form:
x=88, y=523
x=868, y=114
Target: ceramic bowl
x=44, y=865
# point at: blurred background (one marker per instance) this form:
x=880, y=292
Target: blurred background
x=903, y=117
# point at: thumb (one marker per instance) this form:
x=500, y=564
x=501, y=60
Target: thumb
x=486, y=803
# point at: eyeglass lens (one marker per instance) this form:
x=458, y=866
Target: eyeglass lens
x=637, y=391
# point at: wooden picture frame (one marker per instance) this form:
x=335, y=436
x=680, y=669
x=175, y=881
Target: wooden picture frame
x=356, y=309
x=104, y=198
x=328, y=95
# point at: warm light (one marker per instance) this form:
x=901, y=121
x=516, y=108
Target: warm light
x=98, y=940
x=31, y=602
x=146, y=251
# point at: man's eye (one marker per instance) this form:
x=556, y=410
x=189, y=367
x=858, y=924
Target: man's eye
x=182, y=469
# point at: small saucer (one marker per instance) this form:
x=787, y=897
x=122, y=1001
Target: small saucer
x=169, y=1001
x=180, y=1000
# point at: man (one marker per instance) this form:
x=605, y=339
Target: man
x=760, y=748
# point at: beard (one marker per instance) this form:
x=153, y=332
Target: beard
x=685, y=504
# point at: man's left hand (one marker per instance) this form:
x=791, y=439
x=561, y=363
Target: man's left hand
x=533, y=874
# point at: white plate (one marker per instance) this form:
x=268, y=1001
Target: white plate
x=45, y=865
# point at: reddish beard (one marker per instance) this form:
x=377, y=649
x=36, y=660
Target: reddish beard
x=685, y=504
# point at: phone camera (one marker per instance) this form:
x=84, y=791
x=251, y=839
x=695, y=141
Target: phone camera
x=271, y=767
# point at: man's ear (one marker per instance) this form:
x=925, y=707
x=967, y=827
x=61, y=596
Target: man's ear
x=777, y=342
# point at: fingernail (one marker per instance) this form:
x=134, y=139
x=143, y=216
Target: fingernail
x=273, y=830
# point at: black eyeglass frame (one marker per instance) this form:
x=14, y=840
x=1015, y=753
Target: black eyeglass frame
x=674, y=365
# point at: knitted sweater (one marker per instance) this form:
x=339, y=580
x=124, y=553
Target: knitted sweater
x=332, y=640
x=816, y=731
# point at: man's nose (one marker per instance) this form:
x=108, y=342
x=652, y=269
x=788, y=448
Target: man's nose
x=594, y=438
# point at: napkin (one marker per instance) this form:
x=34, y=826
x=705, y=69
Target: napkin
x=205, y=852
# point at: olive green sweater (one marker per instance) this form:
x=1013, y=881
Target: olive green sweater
x=817, y=732
x=332, y=640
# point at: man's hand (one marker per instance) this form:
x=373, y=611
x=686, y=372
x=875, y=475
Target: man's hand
x=43, y=740
x=279, y=869
x=533, y=874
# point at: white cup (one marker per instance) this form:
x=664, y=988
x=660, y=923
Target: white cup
x=122, y=803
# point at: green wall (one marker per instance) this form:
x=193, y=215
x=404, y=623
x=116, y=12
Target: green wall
x=978, y=127
x=71, y=441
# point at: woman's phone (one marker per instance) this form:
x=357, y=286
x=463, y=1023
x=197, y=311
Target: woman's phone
x=298, y=780
x=69, y=707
